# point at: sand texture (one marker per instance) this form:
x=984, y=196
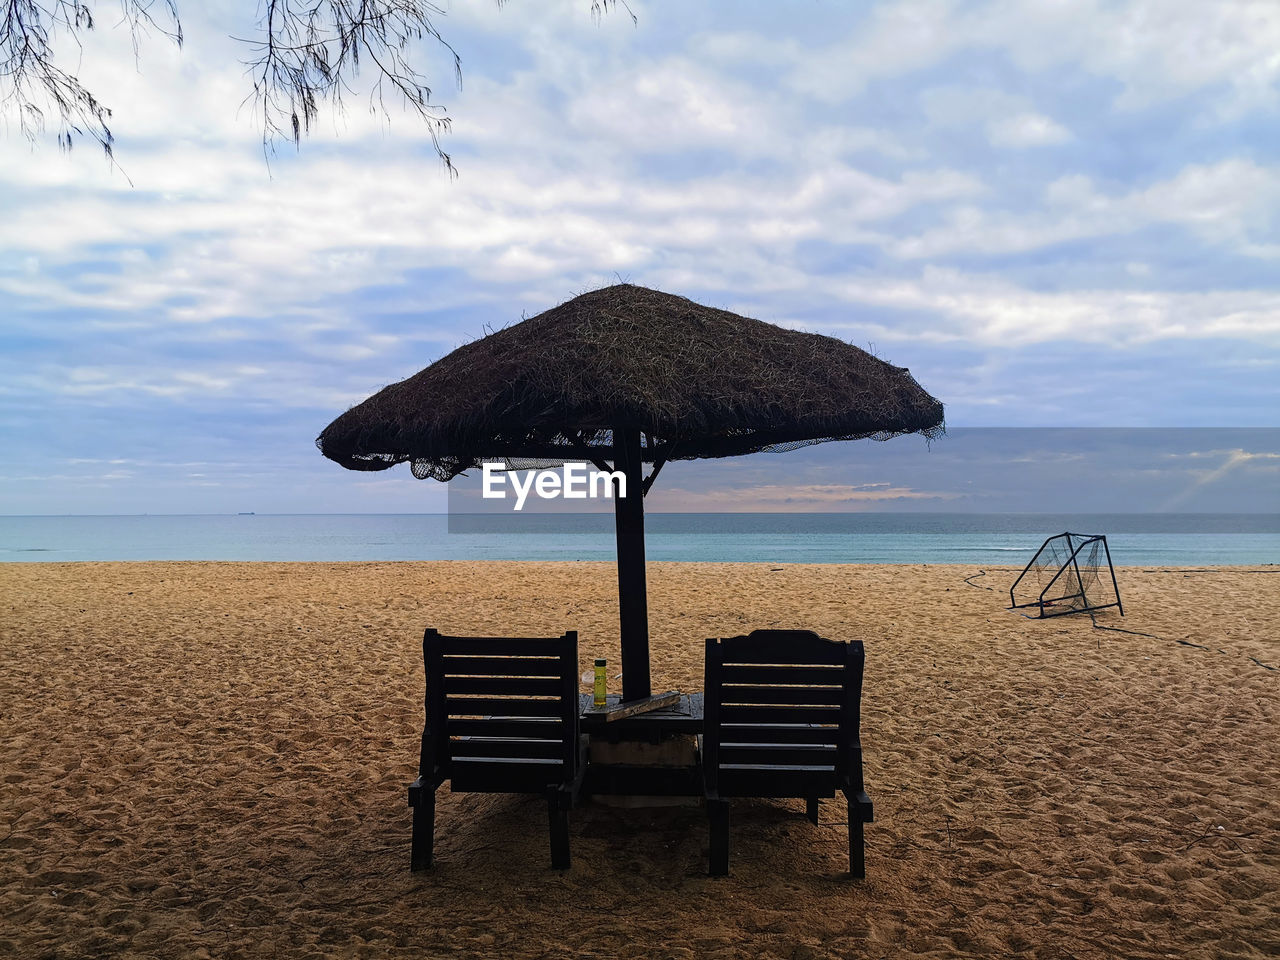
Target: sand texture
x=211, y=759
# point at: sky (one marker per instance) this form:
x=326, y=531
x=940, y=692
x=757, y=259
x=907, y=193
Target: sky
x=1056, y=214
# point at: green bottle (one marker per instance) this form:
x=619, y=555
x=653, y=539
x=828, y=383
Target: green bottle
x=599, y=698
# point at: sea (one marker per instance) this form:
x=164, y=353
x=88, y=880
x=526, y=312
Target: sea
x=1141, y=539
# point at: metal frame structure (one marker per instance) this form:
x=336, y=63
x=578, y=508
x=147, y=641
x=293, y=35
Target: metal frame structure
x=1075, y=543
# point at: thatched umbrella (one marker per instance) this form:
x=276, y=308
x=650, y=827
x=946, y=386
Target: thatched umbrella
x=629, y=375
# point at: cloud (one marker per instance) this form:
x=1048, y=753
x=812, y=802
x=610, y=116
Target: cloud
x=1008, y=120
x=343, y=222
x=898, y=38
x=213, y=239
x=1231, y=203
x=1026, y=129
x=671, y=106
x=987, y=309
x=1154, y=50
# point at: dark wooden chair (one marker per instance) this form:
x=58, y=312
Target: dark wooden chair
x=782, y=715
x=502, y=717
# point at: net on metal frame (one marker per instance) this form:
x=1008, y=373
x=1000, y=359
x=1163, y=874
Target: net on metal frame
x=1070, y=573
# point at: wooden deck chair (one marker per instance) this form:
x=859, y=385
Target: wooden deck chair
x=502, y=717
x=782, y=716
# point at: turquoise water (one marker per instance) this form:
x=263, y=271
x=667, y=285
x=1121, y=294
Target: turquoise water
x=1134, y=539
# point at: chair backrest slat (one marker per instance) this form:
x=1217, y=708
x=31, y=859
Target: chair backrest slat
x=795, y=696
x=780, y=733
x=476, y=666
x=778, y=713
x=503, y=686
x=505, y=707
x=778, y=754
x=786, y=647
x=783, y=674
x=525, y=728
x=502, y=646
x=506, y=748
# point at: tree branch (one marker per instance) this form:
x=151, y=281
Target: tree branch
x=307, y=52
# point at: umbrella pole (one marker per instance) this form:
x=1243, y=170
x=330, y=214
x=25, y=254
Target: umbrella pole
x=633, y=607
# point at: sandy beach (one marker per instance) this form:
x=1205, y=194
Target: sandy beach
x=210, y=759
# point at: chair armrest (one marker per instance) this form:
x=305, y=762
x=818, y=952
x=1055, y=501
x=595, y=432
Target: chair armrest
x=424, y=783
x=866, y=811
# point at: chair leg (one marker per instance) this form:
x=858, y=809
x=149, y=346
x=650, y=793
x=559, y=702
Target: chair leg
x=423, y=800
x=857, y=852
x=558, y=802
x=811, y=810
x=718, y=814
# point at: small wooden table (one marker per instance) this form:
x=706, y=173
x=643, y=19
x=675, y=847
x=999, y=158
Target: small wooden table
x=654, y=731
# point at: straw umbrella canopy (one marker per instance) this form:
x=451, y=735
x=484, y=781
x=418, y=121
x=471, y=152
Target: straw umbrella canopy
x=624, y=376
